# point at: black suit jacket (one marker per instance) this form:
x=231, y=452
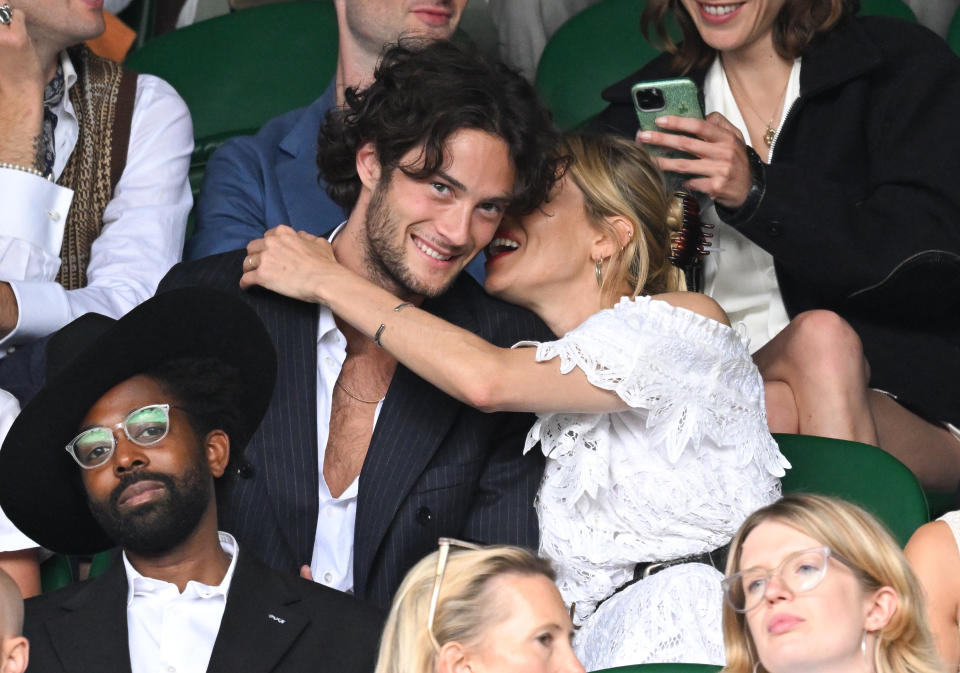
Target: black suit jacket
x=435, y=467
x=272, y=622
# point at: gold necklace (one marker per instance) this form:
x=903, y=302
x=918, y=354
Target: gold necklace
x=353, y=395
x=771, y=132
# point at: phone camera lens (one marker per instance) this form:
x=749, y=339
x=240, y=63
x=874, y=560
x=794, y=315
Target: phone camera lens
x=650, y=100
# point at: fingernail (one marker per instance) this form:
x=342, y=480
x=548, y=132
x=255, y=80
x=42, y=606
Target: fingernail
x=644, y=136
x=661, y=121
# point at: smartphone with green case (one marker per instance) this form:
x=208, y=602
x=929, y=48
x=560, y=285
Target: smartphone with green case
x=678, y=97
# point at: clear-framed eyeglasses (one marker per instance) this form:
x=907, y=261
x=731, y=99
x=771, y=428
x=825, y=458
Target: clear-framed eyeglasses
x=799, y=572
x=144, y=426
x=443, y=552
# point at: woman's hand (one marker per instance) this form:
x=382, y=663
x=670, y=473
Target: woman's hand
x=293, y=263
x=721, y=168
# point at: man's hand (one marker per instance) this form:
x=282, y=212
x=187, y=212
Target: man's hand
x=292, y=263
x=722, y=168
x=22, y=80
x=9, y=311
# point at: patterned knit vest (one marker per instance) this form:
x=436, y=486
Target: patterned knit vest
x=102, y=98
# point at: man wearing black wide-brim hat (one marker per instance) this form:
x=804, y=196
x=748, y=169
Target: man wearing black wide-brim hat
x=140, y=416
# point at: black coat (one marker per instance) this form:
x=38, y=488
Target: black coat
x=862, y=207
x=272, y=622
x=435, y=467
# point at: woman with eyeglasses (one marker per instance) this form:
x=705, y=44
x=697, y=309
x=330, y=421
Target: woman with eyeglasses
x=817, y=585
x=651, y=411
x=485, y=610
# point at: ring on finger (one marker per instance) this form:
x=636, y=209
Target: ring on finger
x=6, y=14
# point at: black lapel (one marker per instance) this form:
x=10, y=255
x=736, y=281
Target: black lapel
x=414, y=419
x=92, y=633
x=258, y=626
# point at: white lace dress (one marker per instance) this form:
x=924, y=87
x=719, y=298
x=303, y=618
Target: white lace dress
x=674, y=475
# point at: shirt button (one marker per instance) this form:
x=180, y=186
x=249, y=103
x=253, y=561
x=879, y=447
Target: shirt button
x=774, y=229
x=328, y=577
x=53, y=215
x=328, y=361
x=171, y=669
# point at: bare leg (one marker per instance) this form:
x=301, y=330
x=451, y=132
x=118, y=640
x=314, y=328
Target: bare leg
x=930, y=451
x=782, y=412
x=818, y=356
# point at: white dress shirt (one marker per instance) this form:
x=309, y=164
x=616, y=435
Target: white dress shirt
x=11, y=539
x=173, y=632
x=738, y=273
x=143, y=225
x=332, y=562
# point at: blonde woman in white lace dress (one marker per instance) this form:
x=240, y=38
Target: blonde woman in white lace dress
x=650, y=409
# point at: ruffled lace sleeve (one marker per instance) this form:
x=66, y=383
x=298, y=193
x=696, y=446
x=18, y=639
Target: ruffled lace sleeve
x=673, y=475
x=692, y=374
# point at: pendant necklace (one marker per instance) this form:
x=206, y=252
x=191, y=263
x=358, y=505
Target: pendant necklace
x=771, y=131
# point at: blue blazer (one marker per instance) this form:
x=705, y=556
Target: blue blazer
x=254, y=183
x=435, y=467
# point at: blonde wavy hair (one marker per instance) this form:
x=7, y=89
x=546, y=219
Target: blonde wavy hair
x=465, y=607
x=904, y=645
x=619, y=179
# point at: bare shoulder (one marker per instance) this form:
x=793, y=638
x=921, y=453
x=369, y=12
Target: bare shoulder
x=696, y=302
x=932, y=543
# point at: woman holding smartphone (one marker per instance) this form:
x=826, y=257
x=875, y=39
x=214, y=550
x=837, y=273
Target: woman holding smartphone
x=829, y=155
x=650, y=410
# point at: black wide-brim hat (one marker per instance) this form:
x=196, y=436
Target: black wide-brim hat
x=40, y=487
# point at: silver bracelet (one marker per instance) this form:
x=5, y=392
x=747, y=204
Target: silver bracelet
x=398, y=307
x=26, y=169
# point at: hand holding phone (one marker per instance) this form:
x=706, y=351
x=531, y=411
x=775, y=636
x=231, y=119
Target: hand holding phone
x=678, y=97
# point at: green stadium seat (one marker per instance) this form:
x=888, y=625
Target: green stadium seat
x=953, y=34
x=895, y=8
x=862, y=474
x=55, y=573
x=592, y=50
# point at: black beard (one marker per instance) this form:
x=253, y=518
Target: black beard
x=386, y=265
x=156, y=527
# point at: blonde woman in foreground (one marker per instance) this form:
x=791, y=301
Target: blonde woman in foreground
x=484, y=610
x=651, y=411
x=817, y=585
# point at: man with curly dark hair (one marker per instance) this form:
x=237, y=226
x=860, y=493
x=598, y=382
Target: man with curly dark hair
x=359, y=465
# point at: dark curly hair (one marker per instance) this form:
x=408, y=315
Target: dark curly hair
x=209, y=390
x=422, y=93
x=794, y=28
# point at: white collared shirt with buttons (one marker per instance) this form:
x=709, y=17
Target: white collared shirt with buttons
x=143, y=225
x=332, y=562
x=173, y=632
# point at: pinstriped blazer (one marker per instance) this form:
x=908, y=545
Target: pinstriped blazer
x=435, y=467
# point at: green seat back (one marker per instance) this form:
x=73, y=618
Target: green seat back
x=663, y=668
x=99, y=563
x=896, y=8
x=238, y=70
x=862, y=474
x=592, y=50
x=56, y=573
x=953, y=34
